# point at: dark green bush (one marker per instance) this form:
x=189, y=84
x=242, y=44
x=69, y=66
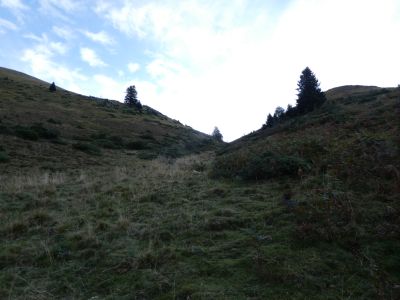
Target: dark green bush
x=147, y=136
x=147, y=155
x=52, y=121
x=26, y=133
x=35, y=132
x=5, y=130
x=269, y=165
x=87, y=148
x=108, y=142
x=137, y=145
x=46, y=133
x=4, y=157
x=117, y=140
x=104, y=143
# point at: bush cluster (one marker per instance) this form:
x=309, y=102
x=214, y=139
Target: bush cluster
x=35, y=132
x=268, y=165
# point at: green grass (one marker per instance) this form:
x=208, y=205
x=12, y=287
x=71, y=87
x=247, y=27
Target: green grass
x=122, y=205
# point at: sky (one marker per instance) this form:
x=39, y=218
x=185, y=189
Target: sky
x=206, y=63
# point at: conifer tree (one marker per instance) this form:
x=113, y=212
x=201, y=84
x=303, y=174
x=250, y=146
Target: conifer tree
x=52, y=87
x=270, y=121
x=279, y=113
x=131, y=96
x=290, y=111
x=217, y=134
x=310, y=95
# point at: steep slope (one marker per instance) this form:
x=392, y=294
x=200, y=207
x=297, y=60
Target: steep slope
x=64, y=129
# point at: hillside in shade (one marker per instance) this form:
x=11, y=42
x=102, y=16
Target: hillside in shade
x=64, y=129
x=100, y=201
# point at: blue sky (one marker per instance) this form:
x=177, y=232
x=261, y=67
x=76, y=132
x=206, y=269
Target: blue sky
x=225, y=63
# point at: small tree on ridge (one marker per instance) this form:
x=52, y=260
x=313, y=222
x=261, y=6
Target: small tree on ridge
x=217, y=134
x=131, y=96
x=52, y=87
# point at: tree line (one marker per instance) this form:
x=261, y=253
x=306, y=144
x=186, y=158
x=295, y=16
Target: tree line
x=309, y=97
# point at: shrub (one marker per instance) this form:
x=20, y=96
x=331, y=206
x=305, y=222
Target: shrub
x=4, y=157
x=254, y=167
x=26, y=133
x=136, y=145
x=5, y=130
x=147, y=155
x=87, y=148
x=45, y=133
x=52, y=121
x=104, y=143
x=112, y=142
x=270, y=165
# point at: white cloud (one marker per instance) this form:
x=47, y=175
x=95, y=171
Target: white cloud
x=101, y=37
x=133, y=67
x=17, y=7
x=66, y=5
x=89, y=55
x=8, y=25
x=60, y=8
x=46, y=45
x=106, y=87
x=14, y=4
x=63, y=32
x=237, y=60
x=43, y=63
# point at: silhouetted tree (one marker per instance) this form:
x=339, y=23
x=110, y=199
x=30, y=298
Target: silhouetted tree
x=217, y=134
x=310, y=95
x=270, y=121
x=131, y=96
x=52, y=87
x=139, y=106
x=290, y=111
x=279, y=113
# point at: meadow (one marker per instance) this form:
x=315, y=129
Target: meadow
x=101, y=202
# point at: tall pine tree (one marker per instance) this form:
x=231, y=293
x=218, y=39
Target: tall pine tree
x=131, y=96
x=310, y=95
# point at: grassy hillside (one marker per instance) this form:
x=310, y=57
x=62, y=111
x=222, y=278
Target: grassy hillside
x=63, y=129
x=338, y=169
x=305, y=210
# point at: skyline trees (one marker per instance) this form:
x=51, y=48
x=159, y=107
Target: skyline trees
x=52, y=87
x=216, y=134
x=309, y=97
x=131, y=99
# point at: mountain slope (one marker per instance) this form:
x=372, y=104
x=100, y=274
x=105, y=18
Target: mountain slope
x=306, y=210
x=338, y=169
x=64, y=129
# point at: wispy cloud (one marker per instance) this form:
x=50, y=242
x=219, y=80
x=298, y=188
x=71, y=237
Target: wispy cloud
x=46, y=45
x=89, y=55
x=63, y=32
x=17, y=7
x=65, y=5
x=59, y=8
x=101, y=37
x=5, y=24
x=43, y=62
x=14, y=4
